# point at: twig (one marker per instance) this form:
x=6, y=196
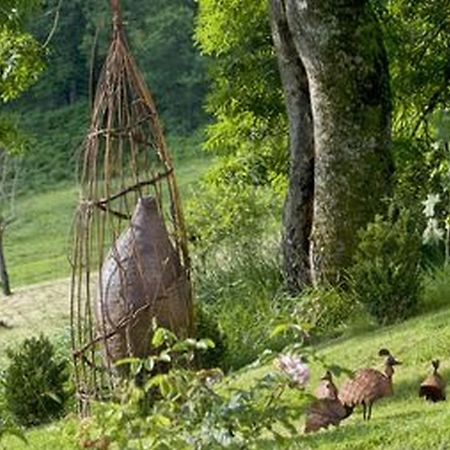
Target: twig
x=135, y=187
x=118, y=214
x=121, y=325
x=55, y=25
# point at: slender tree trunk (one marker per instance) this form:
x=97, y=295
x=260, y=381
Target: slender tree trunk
x=4, y=277
x=340, y=45
x=298, y=208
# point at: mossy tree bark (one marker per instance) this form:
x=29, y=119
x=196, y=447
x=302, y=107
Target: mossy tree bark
x=340, y=46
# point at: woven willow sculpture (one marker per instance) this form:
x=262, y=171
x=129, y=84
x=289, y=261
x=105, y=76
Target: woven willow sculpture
x=130, y=261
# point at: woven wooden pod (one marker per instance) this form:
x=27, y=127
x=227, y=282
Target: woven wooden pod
x=142, y=280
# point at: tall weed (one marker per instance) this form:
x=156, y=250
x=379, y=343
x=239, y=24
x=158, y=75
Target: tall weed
x=242, y=286
x=436, y=290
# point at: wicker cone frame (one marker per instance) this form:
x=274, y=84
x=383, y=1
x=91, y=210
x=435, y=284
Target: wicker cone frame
x=130, y=263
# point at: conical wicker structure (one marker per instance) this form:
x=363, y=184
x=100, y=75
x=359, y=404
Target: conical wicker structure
x=130, y=260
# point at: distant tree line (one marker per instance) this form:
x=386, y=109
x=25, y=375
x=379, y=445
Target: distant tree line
x=160, y=36
x=64, y=46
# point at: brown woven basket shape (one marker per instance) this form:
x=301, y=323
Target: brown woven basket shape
x=130, y=260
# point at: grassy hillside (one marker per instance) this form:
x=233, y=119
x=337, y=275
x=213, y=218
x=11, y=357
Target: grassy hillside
x=404, y=421
x=37, y=243
x=34, y=309
x=401, y=422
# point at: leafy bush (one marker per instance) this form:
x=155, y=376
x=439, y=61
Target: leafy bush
x=207, y=327
x=225, y=213
x=21, y=59
x=34, y=382
x=436, y=289
x=385, y=276
x=327, y=311
x=195, y=410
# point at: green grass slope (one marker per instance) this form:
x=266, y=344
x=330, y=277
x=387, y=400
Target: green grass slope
x=402, y=422
x=40, y=308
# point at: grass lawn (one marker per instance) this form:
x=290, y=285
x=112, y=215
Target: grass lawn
x=402, y=422
x=37, y=244
x=40, y=308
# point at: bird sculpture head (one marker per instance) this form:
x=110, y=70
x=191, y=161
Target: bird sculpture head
x=328, y=376
x=390, y=360
x=436, y=363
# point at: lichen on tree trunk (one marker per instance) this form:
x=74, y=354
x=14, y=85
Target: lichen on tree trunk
x=339, y=43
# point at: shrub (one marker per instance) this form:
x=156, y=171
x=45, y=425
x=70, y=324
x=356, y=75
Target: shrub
x=226, y=213
x=195, y=410
x=208, y=328
x=327, y=311
x=436, y=289
x=34, y=382
x=385, y=276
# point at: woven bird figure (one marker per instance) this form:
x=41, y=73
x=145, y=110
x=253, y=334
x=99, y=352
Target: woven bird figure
x=433, y=387
x=327, y=409
x=369, y=385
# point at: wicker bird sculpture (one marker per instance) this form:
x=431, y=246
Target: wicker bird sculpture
x=327, y=409
x=433, y=387
x=326, y=388
x=369, y=385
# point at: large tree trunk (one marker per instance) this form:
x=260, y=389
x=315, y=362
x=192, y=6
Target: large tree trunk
x=340, y=45
x=298, y=208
